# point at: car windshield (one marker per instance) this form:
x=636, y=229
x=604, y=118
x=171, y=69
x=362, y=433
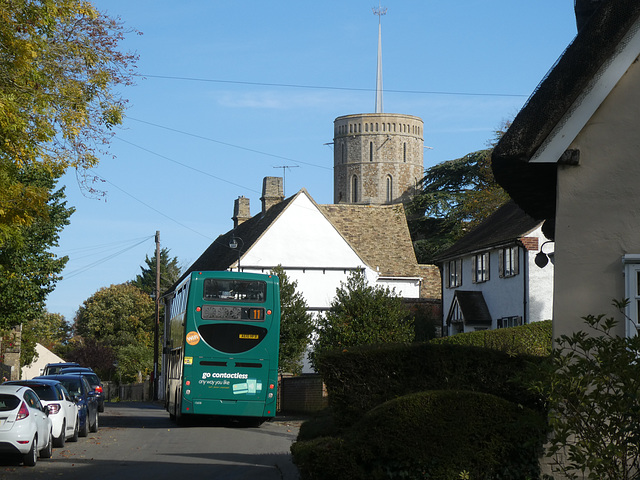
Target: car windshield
x=8, y=402
x=72, y=385
x=45, y=392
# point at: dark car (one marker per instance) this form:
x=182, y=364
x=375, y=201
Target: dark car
x=54, y=368
x=94, y=381
x=84, y=396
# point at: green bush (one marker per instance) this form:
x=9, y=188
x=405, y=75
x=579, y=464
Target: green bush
x=362, y=378
x=530, y=339
x=434, y=435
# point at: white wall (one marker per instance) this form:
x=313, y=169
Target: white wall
x=597, y=214
x=44, y=356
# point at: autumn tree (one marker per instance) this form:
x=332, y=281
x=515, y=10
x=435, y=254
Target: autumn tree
x=28, y=269
x=59, y=71
x=296, y=324
x=455, y=196
x=361, y=314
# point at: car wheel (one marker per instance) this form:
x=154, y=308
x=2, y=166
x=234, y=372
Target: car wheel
x=84, y=430
x=47, y=451
x=31, y=457
x=58, y=442
x=94, y=427
x=101, y=407
x=75, y=431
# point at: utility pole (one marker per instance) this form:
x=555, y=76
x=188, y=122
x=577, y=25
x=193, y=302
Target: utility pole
x=157, y=326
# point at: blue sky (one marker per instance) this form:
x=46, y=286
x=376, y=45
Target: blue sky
x=230, y=91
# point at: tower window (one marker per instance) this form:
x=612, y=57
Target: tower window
x=343, y=152
x=389, y=189
x=354, y=189
x=371, y=151
x=404, y=152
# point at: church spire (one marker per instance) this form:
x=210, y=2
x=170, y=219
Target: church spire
x=379, y=11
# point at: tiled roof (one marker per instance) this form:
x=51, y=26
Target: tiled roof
x=378, y=234
x=505, y=226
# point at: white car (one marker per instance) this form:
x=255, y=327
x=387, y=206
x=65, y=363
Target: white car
x=25, y=426
x=63, y=411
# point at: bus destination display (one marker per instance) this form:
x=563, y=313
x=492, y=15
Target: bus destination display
x=224, y=312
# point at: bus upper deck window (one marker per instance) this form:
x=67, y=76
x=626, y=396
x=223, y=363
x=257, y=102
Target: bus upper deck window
x=229, y=290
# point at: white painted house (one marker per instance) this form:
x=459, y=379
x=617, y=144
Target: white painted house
x=490, y=278
x=318, y=246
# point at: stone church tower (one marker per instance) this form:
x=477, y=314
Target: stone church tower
x=378, y=158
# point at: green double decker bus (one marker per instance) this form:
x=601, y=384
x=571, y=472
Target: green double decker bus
x=222, y=334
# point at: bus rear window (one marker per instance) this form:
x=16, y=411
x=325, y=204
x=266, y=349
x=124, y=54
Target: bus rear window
x=223, y=290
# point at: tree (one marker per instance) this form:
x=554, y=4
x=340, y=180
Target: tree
x=120, y=317
x=49, y=330
x=363, y=315
x=116, y=316
x=59, y=69
x=28, y=270
x=296, y=324
x=91, y=353
x=456, y=196
x=169, y=273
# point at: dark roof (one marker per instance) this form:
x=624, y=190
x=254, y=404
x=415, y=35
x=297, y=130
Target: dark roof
x=219, y=256
x=533, y=186
x=506, y=226
x=473, y=307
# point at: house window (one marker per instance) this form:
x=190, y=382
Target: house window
x=454, y=278
x=509, y=262
x=631, y=264
x=481, y=267
x=506, y=322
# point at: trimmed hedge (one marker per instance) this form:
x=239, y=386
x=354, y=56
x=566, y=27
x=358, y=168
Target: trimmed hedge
x=360, y=379
x=530, y=339
x=434, y=435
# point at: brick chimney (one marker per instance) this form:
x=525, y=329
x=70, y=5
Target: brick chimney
x=241, y=211
x=272, y=192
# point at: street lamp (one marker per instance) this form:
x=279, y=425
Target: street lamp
x=233, y=243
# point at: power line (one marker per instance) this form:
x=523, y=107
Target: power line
x=185, y=165
x=227, y=144
x=322, y=87
x=83, y=269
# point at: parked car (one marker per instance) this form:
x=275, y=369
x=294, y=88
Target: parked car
x=84, y=396
x=25, y=426
x=54, y=368
x=63, y=411
x=94, y=381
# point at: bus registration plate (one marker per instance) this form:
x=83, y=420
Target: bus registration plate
x=217, y=312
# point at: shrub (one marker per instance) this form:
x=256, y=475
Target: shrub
x=364, y=377
x=531, y=339
x=431, y=435
x=594, y=392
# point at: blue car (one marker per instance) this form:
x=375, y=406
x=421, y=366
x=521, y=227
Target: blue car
x=84, y=396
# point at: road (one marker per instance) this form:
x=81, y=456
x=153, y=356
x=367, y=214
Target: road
x=137, y=441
